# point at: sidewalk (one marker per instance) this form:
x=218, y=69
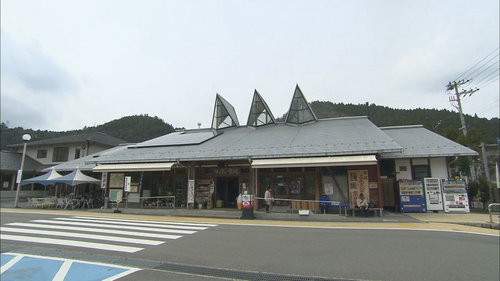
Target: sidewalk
x=468, y=219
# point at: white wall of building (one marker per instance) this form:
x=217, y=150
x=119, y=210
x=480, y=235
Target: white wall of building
x=439, y=168
x=403, y=169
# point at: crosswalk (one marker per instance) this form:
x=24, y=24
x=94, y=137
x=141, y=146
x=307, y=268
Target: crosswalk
x=108, y=234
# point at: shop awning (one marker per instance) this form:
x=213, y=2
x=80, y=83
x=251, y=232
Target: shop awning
x=134, y=167
x=315, y=161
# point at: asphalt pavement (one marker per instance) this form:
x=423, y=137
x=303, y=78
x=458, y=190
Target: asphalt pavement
x=277, y=216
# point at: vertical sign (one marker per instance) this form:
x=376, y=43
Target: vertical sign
x=127, y=183
x=104, y=180
x=358, y=183
x=190, y=192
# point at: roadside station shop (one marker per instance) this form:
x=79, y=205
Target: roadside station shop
x=301, y=159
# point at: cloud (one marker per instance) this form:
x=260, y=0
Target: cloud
x=17, y=113
x=25, y=63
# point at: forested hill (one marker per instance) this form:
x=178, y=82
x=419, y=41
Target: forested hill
x=443, y=122
x=132, y=129
x=139, y=128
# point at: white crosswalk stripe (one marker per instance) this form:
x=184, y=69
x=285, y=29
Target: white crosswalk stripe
x=109, y=234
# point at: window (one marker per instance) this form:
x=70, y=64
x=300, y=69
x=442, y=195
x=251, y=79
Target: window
x=41, y=153
x=60, y=154
x=77, y=153
x=420, y=172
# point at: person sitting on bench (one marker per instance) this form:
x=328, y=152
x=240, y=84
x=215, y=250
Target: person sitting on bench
x=362, y=204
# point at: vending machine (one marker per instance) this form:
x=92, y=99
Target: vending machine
x=455, y=197
x=412, y=196
x=433, y=196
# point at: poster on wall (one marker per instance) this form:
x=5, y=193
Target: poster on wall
x=329, y=188
x=412, y=196
x=358, y=183
x=455, y=197
x=190, y=192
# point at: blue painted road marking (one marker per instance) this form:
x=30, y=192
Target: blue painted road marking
x=28, y=267
x=6, y=258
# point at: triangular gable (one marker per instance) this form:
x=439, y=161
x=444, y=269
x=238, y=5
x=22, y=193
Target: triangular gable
x=300, y=111
x=224, y=114
x=260, y=114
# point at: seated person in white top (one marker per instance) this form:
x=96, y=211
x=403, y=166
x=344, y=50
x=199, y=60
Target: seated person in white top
x=362, y=203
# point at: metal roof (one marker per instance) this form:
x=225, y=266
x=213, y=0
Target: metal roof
x=85, y=163
x=326, y=137
x=11, y=161
x=419, y=142
x=180, y=138
x=95, y=137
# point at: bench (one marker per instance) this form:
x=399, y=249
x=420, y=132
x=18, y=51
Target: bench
x=374, y=210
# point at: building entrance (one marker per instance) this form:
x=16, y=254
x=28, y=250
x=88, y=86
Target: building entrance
x=226, y=192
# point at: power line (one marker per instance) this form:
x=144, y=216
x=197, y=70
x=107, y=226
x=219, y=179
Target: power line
x=490, y=81
x=460, y=76
x=485, y=69
x=482, y=79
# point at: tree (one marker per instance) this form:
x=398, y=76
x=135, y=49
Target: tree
x=479, y=190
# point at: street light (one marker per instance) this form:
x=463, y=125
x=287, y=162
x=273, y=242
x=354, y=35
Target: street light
x=26, y=138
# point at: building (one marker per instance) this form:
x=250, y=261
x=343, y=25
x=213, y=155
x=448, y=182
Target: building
x=301, y=158
x=42, y=154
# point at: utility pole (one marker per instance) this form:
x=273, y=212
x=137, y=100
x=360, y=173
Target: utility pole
x=456, y=102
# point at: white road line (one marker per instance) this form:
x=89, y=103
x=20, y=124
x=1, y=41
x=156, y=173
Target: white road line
x=135, y=224
x=81, y=235
x=10, y=263
x=71, y=243
x=150, y=222
x=96, y=230
x=63, y=270
x=145, y=229
x=128, y=270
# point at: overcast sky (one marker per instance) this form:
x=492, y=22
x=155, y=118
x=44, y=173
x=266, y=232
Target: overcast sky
x=69, y=64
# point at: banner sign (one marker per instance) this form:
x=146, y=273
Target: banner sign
x=358, y=183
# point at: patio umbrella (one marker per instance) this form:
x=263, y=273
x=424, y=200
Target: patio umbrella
x=44, y=179
x=75, y=178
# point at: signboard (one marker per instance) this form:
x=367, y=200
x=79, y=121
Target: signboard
x=247, y=201
x=19, y=176
x=190, y=192
x=358, y=183
x=455, y=197
x=126, y=187
x=433, y=196
x=104, y=180
x=412, y=196
x=116, y=195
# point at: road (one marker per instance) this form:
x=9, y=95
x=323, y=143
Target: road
x=215, y=251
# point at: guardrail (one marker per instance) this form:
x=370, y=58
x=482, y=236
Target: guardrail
x=490, y=207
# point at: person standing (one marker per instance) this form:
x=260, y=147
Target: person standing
x=362, y=204
x=268, y=199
